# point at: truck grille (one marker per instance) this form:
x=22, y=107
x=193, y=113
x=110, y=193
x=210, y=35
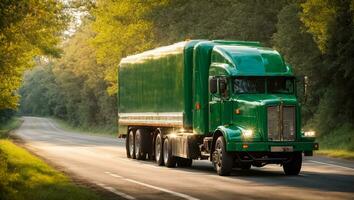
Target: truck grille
x=281, y=123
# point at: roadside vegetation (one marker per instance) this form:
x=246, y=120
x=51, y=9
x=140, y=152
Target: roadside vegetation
x=26, y=177
x=316, y=37
x=95, y=130
x=339, y=143
x=8, y=125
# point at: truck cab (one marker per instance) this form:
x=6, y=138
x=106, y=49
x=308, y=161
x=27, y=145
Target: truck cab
x=254, y=108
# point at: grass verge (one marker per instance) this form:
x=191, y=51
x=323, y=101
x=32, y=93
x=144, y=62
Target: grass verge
x=339, y=143
x=26, y=177
x=346, y=154
x=102, y=130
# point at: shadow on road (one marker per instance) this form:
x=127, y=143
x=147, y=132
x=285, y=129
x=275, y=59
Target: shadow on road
x=307, y=179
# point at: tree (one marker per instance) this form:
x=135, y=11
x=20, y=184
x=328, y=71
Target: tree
x=27, y=28
x=121, y=29
x=301, y=52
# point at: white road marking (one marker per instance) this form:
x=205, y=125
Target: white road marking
x=114, y=175
x=185, y=196
x=126, y=196
x=329, y=164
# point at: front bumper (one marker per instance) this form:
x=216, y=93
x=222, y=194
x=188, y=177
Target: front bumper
x=266, y=146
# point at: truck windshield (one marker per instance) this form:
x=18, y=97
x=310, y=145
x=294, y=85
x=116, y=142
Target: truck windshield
x=249, y=85
x=280, y=85
x=257, y=85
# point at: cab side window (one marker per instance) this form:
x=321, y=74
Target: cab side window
x=223, y=87
x=218, y=87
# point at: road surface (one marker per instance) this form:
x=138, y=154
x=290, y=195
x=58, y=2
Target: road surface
x=101, y=160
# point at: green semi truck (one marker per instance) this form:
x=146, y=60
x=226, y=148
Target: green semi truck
x=232, y=102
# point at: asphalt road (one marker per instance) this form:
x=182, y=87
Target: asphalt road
x=101, y=160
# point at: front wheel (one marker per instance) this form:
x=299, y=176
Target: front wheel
x=293, y=166
x=222, y=160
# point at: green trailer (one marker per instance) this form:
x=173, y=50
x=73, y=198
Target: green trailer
x=232, y=102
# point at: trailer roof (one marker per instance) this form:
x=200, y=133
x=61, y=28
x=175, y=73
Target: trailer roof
x=155, y=53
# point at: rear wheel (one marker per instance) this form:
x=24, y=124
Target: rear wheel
x=130, y=144
x=293, y=166
x=222, y=160
x=184, y=162
x=168, y=158
x=159, y=149
x=139, y=142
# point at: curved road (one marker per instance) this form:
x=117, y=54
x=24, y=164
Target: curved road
x=101, y=160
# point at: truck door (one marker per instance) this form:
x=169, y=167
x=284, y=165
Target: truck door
x=214, y=103
x=225, y=103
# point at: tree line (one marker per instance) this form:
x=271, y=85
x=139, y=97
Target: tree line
x=316, y=37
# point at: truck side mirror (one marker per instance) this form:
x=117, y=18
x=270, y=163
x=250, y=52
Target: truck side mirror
x=306, y=81
x=213, y=85
x=301, y=85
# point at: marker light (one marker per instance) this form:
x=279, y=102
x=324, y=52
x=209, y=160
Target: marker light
x=247, y=133
x=309, y=133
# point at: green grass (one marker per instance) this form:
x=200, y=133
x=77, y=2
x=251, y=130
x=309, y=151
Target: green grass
x=339, y=143
x=346, y=154
x=100, y=130
x=26, y=177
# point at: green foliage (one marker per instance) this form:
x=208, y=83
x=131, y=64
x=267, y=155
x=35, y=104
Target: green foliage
x=9, y=125
x=317, y=16
x=27, y=28
x=252, y=20
x=71, y=88
x=301, y=52
x=121, y=29
x=336, y=104
x=6, y=115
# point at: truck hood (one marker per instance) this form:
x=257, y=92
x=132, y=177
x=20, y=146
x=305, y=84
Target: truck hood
x=253, y=110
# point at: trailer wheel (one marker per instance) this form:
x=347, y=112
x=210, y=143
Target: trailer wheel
x=184, y=162
x=130, y=144
x=222, y=160
x=140, y=141
x=168, y=158
x=293, y=166
x=127, y=146
x=159, y=149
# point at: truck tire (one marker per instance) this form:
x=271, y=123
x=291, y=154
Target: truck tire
x=130, y=144
x=168, y=158
x=184, y=162
x=159, y=149
x=222, y=160
x=127, y=146
x=140, y=144
x=293, y=166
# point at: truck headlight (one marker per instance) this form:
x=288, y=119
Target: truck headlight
x=247, y=133
x=309, y=133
